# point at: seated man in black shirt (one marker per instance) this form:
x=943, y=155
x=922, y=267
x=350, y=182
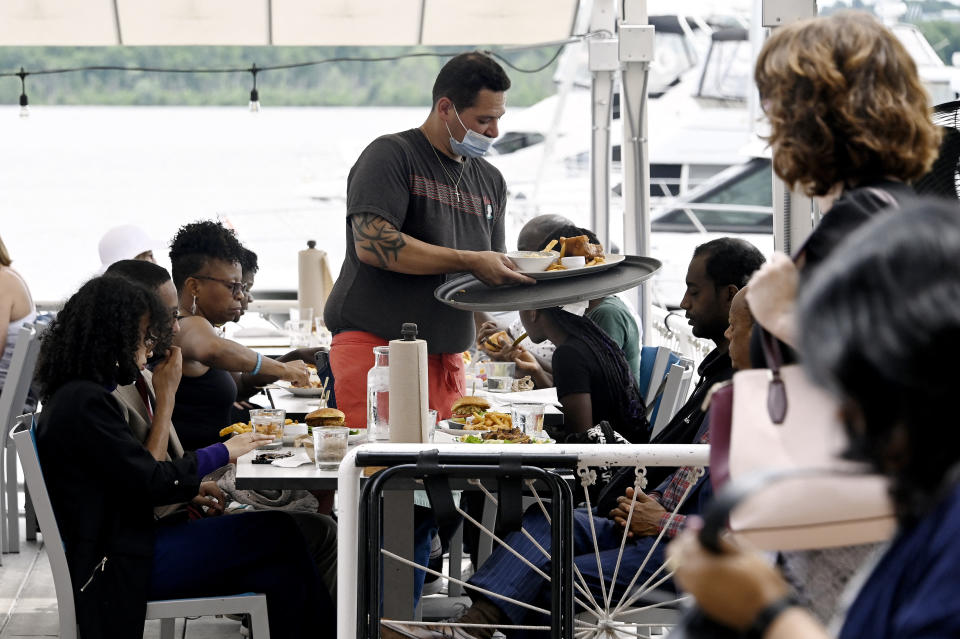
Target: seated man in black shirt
x=717, y=271
x=592, y=376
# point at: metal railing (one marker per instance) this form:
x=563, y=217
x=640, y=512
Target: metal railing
x=582, y=456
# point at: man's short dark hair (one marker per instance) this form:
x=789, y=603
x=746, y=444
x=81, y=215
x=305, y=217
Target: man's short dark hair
x=730, y=261
x=197, y=243
x=148, y=274
x=463, y=76
x=248, y=262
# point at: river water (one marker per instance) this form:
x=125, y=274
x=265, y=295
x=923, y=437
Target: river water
x=68, y=174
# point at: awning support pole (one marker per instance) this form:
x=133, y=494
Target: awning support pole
x=604, y=63
x=636, y=54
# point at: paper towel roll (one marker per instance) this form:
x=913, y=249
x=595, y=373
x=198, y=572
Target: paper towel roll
x=314, y=280
x=409, y=388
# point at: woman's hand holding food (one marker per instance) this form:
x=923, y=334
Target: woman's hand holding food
x=212, y=497
x=732, y=587
x=493, y=341
x=772, y=297
x=296, y=373
x=527, y=364
x=242, y=444
x=487, y=330
x=166, y=376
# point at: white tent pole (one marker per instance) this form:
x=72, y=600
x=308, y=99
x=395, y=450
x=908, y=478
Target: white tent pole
x=604, y=63
x=636, y=54
x=793, y=213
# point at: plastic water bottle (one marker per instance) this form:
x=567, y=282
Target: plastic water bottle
x=378, y=396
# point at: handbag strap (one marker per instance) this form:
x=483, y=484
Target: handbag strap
x=776, y=389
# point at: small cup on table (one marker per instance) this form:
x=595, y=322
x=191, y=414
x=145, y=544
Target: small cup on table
x=329, y=446
x=430, y=427
x=529, y=419
x=500, y=376
x=268, y=421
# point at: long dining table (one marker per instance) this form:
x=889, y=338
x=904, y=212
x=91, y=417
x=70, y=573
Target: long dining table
x=398, y=503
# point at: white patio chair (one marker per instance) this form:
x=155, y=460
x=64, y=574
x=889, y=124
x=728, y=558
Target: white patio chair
x=674, y=395
x=12, y=400
x=166, y=610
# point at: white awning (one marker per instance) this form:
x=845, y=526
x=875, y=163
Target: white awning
x=284, y=22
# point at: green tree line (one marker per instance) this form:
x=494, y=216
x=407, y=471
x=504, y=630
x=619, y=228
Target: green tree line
x=404, y=82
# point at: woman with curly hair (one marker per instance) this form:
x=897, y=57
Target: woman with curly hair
x=206, y=258
x=103, y=483
x=849, y=118
x=850, y=126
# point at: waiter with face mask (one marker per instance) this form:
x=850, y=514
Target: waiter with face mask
x=422, y=204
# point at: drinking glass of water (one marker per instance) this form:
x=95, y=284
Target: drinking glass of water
x=528, y=418
x=500, y=376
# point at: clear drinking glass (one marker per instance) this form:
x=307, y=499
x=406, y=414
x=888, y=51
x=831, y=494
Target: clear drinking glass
x=378, y=396
x=528, y=418
x=268, y=421
x=500, y=376
x=323, y=335
x=430, y=426
x=329, y=446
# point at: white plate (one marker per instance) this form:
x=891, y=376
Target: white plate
x=299, y=392
x=459, y=440
x=455, y=428
x=359, y=438
x=611, y=261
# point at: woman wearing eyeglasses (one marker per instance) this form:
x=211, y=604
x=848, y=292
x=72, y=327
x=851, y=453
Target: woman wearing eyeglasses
x=104, y=483
x=205, y=258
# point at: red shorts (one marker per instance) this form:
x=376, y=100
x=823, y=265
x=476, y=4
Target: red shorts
x=351, y=358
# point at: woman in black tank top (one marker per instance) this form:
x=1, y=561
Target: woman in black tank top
x=206, y=271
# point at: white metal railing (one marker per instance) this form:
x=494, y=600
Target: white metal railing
x=694, y=455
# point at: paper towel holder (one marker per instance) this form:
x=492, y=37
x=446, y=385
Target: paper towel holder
x=311, y=244
x=408, y=332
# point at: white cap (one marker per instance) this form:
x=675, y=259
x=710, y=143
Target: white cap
x=124, y=243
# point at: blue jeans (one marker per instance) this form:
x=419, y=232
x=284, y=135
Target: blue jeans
x=261, y=552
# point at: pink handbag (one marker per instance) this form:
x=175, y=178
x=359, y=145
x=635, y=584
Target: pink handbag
x=776, y=419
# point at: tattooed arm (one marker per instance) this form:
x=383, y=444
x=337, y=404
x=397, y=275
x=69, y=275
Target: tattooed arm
x=380, y=244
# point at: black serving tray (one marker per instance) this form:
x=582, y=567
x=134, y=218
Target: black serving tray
x=470, y=294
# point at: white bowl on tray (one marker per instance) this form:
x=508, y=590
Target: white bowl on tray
x=299, y=392
x=533, y=261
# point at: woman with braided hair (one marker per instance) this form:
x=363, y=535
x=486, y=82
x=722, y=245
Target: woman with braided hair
x=593, y=379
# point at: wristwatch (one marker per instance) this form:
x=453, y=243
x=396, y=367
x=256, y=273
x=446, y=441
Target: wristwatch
x=765, y=617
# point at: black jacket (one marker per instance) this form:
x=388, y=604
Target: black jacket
x=103, y=485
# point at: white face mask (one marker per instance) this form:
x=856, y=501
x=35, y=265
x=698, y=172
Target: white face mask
x=474, y=145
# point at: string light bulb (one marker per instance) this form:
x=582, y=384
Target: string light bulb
x=254, y=94
x=24, y=102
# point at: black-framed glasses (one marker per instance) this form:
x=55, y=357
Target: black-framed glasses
x=236, y=288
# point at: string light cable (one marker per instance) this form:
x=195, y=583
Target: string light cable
x=24, y=102
x=254, y=70
x=254, y=94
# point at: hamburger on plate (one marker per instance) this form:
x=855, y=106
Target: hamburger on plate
x=325, y=417
x=468, y=406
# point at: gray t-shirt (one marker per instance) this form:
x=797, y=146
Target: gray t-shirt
x=399, y=177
